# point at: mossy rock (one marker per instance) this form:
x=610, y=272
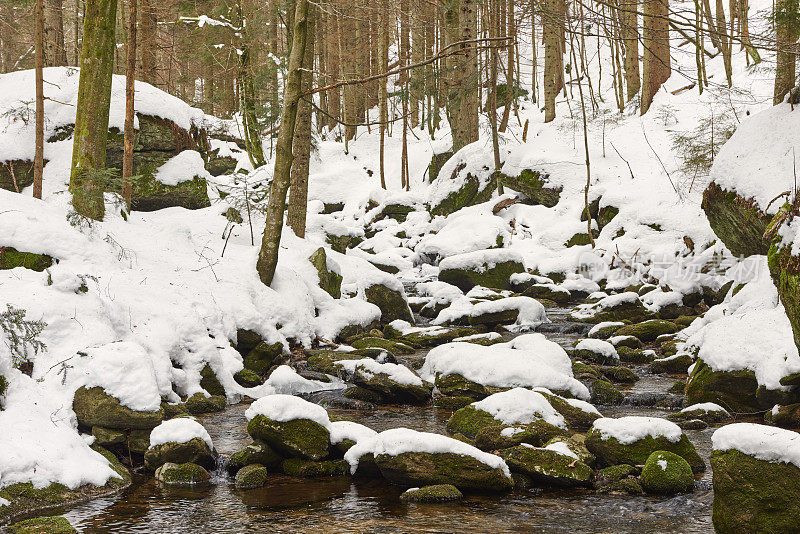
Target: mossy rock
x=199, y=404
x=452, y=403
x=537, y=433
x=676, y=365
x=636, y=356
x=738, y=222
x=626, y=342
x=16, y=174
x=609, y=475
x=424, y=469
x=733, y=390
x=471, y=192
x=495, y=276
x=618, y=374
x=246, y=340
x=629, y=311
x=549, y=292
x=195, y=451
x=599, y=356
x=252, y=476
x=493, y=319
x=262, y=356
x=392, y=390
x=753, y=495
x=172, y=410
x=150, y=195
x=296, y=438
x=604, y=393
x=395, y=347
x=393, y=304
x=357, y=393
x=606, y=331
x=584, y=371
x=93, y=406
x=437, y=337
x=581, y=238
x=469, y=420
x=437, y=493
x=210, y=382
x=182, y=474
x=784, y=416
x=42, y=525
x=11, y=258
x=533, y=184
x=455, y=385
x=247, y=378
x=784, y=269
x=630, y=486
x=329, y=280
x=257, y=452
x=710, y=417
x=611, y=452
x=576, y=418
x=666, y=473
x=324, y=361
x=437, y=162
x=548, y=467
x=576, y=444
x=136, y=440
x=310, y=469
x=648, y=331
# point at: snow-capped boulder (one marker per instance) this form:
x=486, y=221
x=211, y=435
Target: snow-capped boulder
x=179, y=441
x=621, y=307
x=462, y=181
x=648, y=331
x=487, y=268
x=393, y=382
x=756, y=469
x=534, y=185
x=290, y=425
x=554, y=465
x=596, y=351
x=94, y=407
x=188, y=474
x=666, y=473
x=708, y=412
x=632, y=439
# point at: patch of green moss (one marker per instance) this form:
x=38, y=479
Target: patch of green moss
x=93, y=406
x=547, y=466
x=210, y=382
x=611, y=452
x=495, y=276
x=247, y=378
x=455, y=385
x=252, y=476
x=604, y=393
x=262, y=356
x=194, y=451
x=648, y=331
x=11, y=258
x=257, y=452
x=199, y=403
x=393, y=304
x=432, y=494
x=329, y=280
x=299, y=437
x=311, y=469
x=43, y=525
x=666, y=473
x=738, y=222
x=395, y=347
x=733, y=390
x=533, y=184
x=468, y=421
x=187, y=474
x=423, y=469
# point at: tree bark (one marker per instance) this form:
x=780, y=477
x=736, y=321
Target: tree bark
x=38, y=163
x=55, y=51
x=628, y=16
x=130, y=77
x=94, y=98
x=786, y=29
x=149, y=41
x=655, y=39
x=461, y=78
x=270, y=242
x=553, y=61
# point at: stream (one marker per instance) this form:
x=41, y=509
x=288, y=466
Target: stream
x=345, y=505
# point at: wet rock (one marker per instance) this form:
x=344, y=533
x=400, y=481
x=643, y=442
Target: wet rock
x=576, y=417
x=337, y=400
x=452, y=403
x=625, y=342
x=623, y=307
x=666, y=473
x=297, y=467
x=630, y=486
x=392, y=303
x=618, y=374
x=733, y=390
x=43, y=525
x=472, y=191
x=535, y=185
x=199, y=403
x=252, y=476
x=645, y=398
x=257, y=452
x=424, y=468
x=182, y=475
x=395, y=347
x=497, y=437
x=548, y=467
x=676, y=364
x=195, y=451
x=609, y=475
x=648, y=331
x=94, y=407
x=432, y=494
x=636, y=356
x=357, y=393
x=605, y=394
x=302, y=438
x=491, y=319
x=389, y=389
x=575, y=443
x=605, y=331
x=328, y=271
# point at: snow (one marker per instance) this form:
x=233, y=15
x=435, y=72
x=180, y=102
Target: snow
x=401, y=440
x=531, y=311
x=662, y=464
x=561, y=448
x=598, y=346
x=762, y=442
x=179, y=430
x=706, y=407
x=285, y=380
x=519, y=406
x=284, y=408
x=481, y=260
x=393, y=371
x=632, y=428
x=511, y=431
x=342, y=430
x=490, y=336
x=470, y=229
x=4, y=502
x=605, y=324
x=530, y=360
x=185, y=166
x=586, y=311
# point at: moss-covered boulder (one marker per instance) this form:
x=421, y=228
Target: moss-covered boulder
x=247, y=378
x=605, y=330
x=738, y=222
x=492, y=318
x=472, y=191
x=733, y=390
x=425, y=468
x=535, y=185
x=210, y=382
x=495, y=437
x=604, y=393
x=785, y=271
x=614, y=473
x=194, y=451
x=390, y=389
x=648, y=331
x=16, y=174
x=257, y=452
x=252, y=476
x=455, y=385
x=187, y=474
x=436, y=164
x=666, y=473
x=635, y=356
x=676, y=364
x=392, y=303
x=468, y=421
x=431, y=337
x=11, y=258
x=329, y=278
x=784, y=416
x=611, y=451
x=752, y=495
x=618, y=374
x=437, y=493
x=200, y=403
x=546, y=466
x=93, y=406
x=577, y=414
x=548, y=292
x=488, y=269
x=262, y=356
x=709, y=413
x=43, y=525
x=393, y=346
x=297, y=467
x=625, y=307
x=301, y=438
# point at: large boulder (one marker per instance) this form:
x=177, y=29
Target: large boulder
x=739, y=222
x=488, y=268
x=533, y=184
x=391, y=301
x=180, y=440
x=329, y=277
x=556, y=466
x=621, y=307
x=257, y=452
x=94, y=407
x=187, y=474
x=432, y=494
x=290, y=425
x=631, y=440
x=648, y=331
x=11, y=258
x=733, y=390
x=755, y=479
x=784, y=267
x=425, y=468
x=393, y=382
x=472, y=190
x=666, y=473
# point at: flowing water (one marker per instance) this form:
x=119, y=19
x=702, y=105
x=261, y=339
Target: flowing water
x=344, y=505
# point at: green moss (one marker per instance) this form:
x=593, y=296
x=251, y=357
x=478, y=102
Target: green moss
x=612, y=452
x=615, y=473
x=455, y=385
x=576, y=418
x=648, y=331
x=754, y=496
x=785, y=271
x=468, y=421
x=677, y=364
x=365, y=395
x=257, y=452
x=533, y=184
x=491, y=438
x=42, y=525
x=395, y=347
x=581, y=238
x=329, y=280
x=299, y=437
x=247, y=378
x=738, y=222
x=493, y=319
x=631, y=486
x=393, y=304
x=437, y=337
x=310, y=469
x=548, y=467
x=666, y=473
x=252, y=476
x=452, y=403
x=605, y=394
x=422, y=468
x=471, y=192
x=631, y=355
x=262, y=356
x=432, y=494
x=187, y=474
x=199, y=403
x=390, y=390
x=210, y=382
x=194, y=451
x=548, y=292
x=495, y=276
x=93, y=406
x=619, y=374
x=733, y=390
x=11, y=258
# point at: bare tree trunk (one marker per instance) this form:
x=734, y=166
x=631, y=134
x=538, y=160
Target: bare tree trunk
x=383, y=60
x=655, y=38
x=270, y=242
x=94, y=98
x=55, y=51
x=149, y=41
x=461, y=78
x=130, y=77
x=628, y=16
x=553, y=80
x=725, y=41
x=301, y=145
x=786, y=36
x=332, y=68
x=511, y=85
x=38, y=163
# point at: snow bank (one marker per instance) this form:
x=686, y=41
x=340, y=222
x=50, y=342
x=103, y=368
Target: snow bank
x=706, y=407
x=762, y=442
x=598, y=346
x=520, y=406
x=283, y=408
x=342, y=430
x=369, y=367
x=179, y=430
x=185, y=166
x=480, y=260
x=401, y=440
x=468, y=230
x=631, y=429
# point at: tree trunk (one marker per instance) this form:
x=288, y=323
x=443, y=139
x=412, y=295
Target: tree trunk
x=130, y=77
x=301, y=145
x=786, y=35
x=270, y=242
x=55, y=51
x=552, y=58
x=629, y=32
x=383, y=61
x=149, y=41
x=655, y=39
x=94, y=98
x=332, y=69
x=38, y=164
x=461, y=79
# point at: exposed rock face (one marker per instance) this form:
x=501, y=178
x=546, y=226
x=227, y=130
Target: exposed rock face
x=737, y=221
